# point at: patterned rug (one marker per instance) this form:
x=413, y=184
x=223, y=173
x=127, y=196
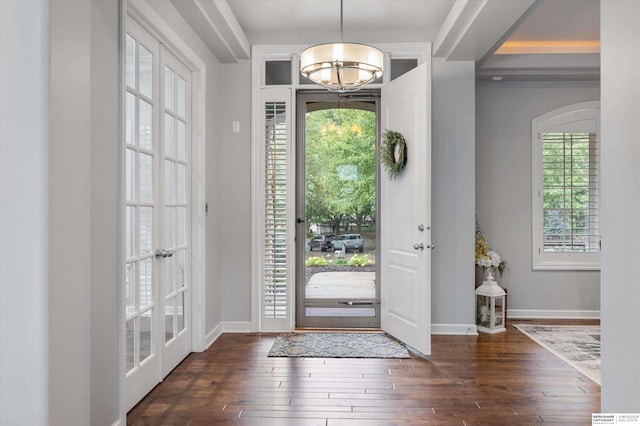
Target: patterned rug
x=578, y=346
x=337, y=345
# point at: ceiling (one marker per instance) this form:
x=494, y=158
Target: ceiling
x=508, y=39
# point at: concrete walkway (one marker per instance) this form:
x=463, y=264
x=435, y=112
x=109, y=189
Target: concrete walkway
x=342, y=285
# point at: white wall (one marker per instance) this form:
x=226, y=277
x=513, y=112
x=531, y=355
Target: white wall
x=453, y=196
x=24, y=212
x=503, y=193
x=620, y=111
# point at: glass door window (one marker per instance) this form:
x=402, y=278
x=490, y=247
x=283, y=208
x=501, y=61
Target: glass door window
x=337, y=206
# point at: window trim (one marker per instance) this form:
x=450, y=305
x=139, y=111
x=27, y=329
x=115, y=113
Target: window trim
x=552, y=120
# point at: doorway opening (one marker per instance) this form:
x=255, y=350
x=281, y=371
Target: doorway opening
x=337, y=274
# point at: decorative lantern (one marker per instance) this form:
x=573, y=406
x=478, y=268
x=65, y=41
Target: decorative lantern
x=490, y=302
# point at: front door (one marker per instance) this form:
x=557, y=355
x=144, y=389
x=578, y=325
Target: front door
x=405, y=256
x=337, y=226
x=157, y=290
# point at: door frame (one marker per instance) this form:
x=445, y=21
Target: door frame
x=261, y=90
x=152, y=22
x=302, y=97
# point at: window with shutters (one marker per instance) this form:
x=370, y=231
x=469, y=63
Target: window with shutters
x=275, y=211
x=565, y=188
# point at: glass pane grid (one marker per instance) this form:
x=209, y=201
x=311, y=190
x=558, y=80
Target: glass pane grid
x=169, y=331
x=145, y=71
x=131, y=66
x=570, y=192
x=131, y=356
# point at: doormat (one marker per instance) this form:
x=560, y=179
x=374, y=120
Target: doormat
x=337, y=345
x=577, y=345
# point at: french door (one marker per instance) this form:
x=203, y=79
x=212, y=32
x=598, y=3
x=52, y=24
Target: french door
x=157, y=293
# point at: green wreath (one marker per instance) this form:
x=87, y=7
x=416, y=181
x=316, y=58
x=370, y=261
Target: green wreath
x=393, y=159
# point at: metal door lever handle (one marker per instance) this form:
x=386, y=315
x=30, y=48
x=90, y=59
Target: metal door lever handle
x=163, y=253
x=418, y=246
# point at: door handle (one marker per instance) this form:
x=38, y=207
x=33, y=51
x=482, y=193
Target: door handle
x=418, y=246
x=300, y=220
x=163, y=253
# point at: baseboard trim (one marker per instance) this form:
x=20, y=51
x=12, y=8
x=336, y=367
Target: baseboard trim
x=551, y=314
x=212, y=336
x=226, y=327
x=236, y=327
x=454, y=329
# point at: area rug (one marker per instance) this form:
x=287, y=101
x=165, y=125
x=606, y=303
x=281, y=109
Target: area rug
x=337, y=345
x=578, y=346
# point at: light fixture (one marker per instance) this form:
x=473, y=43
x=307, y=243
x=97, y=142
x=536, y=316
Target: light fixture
x=341, y=67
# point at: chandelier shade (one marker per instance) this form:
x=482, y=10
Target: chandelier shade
x=341, y=67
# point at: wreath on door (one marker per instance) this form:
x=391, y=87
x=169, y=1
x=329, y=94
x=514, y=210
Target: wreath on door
x=393, y=153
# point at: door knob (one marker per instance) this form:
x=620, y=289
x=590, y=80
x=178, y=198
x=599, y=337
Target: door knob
x=163, y=253
x=418, y=246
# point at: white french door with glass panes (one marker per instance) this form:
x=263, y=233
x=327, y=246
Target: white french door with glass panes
x=157, y=213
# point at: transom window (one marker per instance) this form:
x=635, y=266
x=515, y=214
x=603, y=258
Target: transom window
x=565, y=188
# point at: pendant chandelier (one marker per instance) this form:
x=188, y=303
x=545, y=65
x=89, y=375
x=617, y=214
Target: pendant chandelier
x=341, y=67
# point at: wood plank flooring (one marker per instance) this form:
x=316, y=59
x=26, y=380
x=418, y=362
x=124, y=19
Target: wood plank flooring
x=468, y=380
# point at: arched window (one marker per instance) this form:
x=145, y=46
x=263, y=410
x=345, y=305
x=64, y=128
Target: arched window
x=565, y=166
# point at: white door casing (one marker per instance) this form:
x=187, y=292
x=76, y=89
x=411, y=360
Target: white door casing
x=406, y=214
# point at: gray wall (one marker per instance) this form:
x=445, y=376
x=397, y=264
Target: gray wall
x=620, y=204
x=24, y=212
x=62, y=307
x=503, y=191
x=453, y=195
x=214, y=140
x=104, y=212
x=70, y=221
x=233, y=155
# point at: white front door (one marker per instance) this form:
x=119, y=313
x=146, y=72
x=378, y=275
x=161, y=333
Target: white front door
x=157, y=289
x=406, y=214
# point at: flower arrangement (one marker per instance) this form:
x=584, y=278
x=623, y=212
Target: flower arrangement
x=485, y=257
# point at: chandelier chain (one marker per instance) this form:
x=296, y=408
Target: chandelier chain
x=341, y=20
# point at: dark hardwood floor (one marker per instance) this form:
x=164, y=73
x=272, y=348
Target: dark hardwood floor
x=468, y=380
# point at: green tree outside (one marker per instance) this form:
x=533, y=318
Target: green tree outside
x=341, y=167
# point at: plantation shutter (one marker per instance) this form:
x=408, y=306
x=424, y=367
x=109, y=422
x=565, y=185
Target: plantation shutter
x=570, y=193
x=275, y=211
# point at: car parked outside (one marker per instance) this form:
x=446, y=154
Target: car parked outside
x=348, y=242
x=321, y=242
